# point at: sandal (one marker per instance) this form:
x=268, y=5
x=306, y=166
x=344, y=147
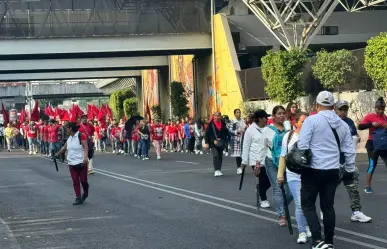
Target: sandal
x=282, y=221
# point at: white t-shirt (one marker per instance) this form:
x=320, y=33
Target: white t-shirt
x=75, y=151
x=291, y=176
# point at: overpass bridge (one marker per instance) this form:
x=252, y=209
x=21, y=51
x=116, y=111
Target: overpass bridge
x=75, y=39
x=53, y=90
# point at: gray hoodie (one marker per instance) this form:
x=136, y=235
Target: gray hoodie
x=316, y=134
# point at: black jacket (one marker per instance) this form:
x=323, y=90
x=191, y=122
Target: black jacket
x=210, y=137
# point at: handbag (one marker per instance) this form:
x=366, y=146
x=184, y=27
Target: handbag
x=219, y=142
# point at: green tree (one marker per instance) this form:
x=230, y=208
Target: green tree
x=376, y=60
x=157, y=113
x=117, y=99
x=334, y=69
x=130, y=107
x=282, y=71
x=179, y=100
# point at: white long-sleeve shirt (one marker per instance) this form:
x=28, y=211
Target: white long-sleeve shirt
x=252, y=142
x=316, y=134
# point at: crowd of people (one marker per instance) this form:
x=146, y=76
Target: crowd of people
x=261, y=141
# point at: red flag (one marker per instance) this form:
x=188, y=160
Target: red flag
x=90, y=112
x=78, y=111
x=48, y=111
x=35, y=112
x=94, y=111
x=101, y=113
x=5, y=114
x=73, y=118
x=108, y=111
x=64, y=116
x=22, y=116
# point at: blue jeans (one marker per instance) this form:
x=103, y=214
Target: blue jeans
x=272, y=172
x=295, y=189
x=54, y=148
x=144, y=147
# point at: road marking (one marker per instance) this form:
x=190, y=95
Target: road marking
x=57, y=220
x=99, y=171
x=186, y=162
x=9, y=241
x=232, y=209
x=235, y=203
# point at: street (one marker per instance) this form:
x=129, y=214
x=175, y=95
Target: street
x=172, y=203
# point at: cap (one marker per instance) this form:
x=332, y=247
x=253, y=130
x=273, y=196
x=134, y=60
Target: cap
x=380, y=103
x=325, y=98
x=261, y=114
x=52, y=121
x=341, y=103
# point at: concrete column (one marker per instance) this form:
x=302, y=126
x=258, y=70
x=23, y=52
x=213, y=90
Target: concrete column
x=164, y=92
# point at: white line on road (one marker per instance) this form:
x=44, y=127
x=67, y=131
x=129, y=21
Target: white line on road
x=8, y=239
x=186, y=162
x=236, y=203
x=232, y=209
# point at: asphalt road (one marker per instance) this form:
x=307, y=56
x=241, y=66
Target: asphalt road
x=172, y=203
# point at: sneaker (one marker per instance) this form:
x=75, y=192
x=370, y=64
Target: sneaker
x=331, y=246
x=320, y=245
x=368, y=190
x=34, y=153
x=30, y=153
x=77, y=201
x=90, y=172
x=360, y=217
x=143, y=159
x=302, y=238
x=239, y=171
x=216, y=173
x=226, y=154
x=201, y=152
x=84, y=196
x=159, y=157
x=265, y=204
x=308, y=232
x=321, y=216
x=146, y=158
x=220, y=173
x=9, y=150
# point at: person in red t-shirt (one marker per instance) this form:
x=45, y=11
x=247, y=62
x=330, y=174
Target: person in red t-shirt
x=97, y=136
x=172, y=136
x=32, y=135
x=53, y=135
x=372, y=122
x=166, y=135
x=157, y=133
x=181, y=135
x=86, y=128
x=115, y=134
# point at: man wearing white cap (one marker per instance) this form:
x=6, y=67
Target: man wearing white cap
x=330, y=141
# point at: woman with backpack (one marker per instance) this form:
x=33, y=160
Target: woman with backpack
x=376, y=123
x=215, y=137
x=292, y=179
x=272, y=145
x=77, y=158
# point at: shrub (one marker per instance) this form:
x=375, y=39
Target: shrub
x=179, y=100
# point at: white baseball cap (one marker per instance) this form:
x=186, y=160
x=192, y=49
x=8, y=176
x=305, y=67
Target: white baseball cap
x=325, y=98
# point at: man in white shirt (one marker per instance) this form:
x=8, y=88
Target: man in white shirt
x=318, y=135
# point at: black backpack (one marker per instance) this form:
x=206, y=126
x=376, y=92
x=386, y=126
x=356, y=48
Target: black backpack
x=90, y=146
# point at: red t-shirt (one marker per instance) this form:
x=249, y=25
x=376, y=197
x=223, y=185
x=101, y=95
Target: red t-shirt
x=32, y=131
x=115, y=132
x=181, y=130
x=53, y=133
x=372, y=117
x=157, y=132
x=86, y=129
x=46, y=133
x=41, y=129
x=172, y=130
x=98, y=132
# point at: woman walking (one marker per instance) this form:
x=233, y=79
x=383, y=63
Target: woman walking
x=144, y=133
x=199, y=132
x=252, y=144
x=237, y=128
x=293, y=180
x=272, y=146
x=9, y=135
x=77, y=158
x=215, y=137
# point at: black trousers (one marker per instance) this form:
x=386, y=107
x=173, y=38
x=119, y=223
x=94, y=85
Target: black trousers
x=217, y=157
x=323, y=183
x=373, y=157
x=238, y=161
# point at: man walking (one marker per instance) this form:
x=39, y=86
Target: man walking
x=330, y=141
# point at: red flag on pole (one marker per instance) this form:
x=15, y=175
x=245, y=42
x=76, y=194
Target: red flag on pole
x=108, y=111
x=22, y=116
x=94, y=111
x=90, y=112
x=35, y=114
x=5, y=114
x=73, y=118
x=48, y=111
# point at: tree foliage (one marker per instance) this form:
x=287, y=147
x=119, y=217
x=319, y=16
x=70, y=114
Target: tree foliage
x=335, y=68
x=130, y=107
x=282, y=71
x=157, y=113
x=179, y=100
x=376, y=60
x=117, y=99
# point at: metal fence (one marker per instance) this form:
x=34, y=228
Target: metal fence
x=254, y=86
x=83, y=18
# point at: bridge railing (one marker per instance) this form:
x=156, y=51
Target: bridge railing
x=80, y=18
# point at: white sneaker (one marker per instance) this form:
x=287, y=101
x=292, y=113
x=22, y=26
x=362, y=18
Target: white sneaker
x=220, y=173
x=159, y=157
x=308, y=232
x=239, y=171
x=302, y=238
x=226, y=154
x=34, y=153
x=320, y=245
x=360, y=217
x=321, y=215
x=201, y=152
x=265, y=204
x=30, y=153
x=216, y=173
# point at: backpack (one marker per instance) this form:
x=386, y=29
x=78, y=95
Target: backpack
x=277, y=145
x=379, y=140
x=90, y=145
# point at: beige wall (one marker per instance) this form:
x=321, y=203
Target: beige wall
x=361, y=103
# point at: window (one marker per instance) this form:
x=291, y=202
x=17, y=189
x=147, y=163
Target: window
x=329, y=30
